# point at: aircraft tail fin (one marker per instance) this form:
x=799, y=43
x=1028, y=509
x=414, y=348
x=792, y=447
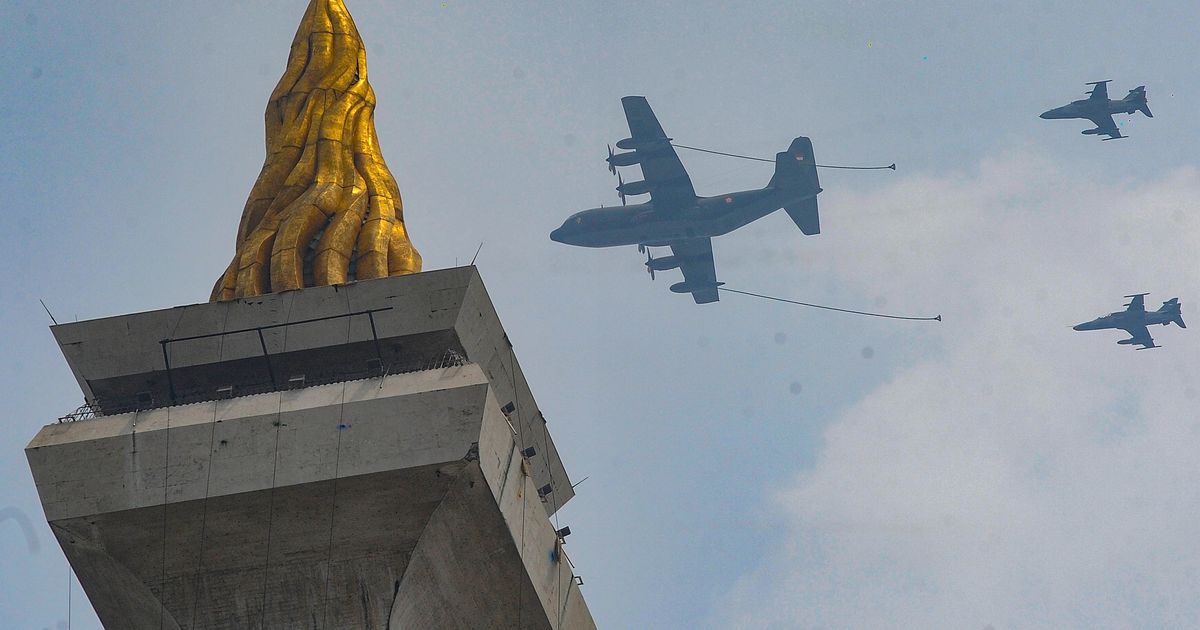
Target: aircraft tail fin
x=1173, y=308
x=1137, y=98
x=796, y=168
x=796, y=172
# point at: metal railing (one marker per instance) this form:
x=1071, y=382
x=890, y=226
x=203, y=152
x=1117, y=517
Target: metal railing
x=84, y=412
x=263, y=342
x=449, y=358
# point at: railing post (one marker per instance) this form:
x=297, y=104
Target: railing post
x=270, y=372
x=167, y=363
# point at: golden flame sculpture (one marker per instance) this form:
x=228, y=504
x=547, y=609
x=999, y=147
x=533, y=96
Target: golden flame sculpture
x=325, y=209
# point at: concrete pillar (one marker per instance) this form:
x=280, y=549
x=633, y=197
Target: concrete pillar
x=366, y=471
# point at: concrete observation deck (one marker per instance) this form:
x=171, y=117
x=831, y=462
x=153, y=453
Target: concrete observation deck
x=360, y=456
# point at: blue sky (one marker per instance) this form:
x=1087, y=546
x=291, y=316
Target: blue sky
x=750, y=464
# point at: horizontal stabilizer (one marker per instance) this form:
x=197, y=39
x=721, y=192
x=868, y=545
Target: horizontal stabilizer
x=805, y=215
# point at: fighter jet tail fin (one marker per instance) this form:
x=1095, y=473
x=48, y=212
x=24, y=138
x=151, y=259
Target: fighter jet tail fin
x=1137, y=98
x=1172, y=307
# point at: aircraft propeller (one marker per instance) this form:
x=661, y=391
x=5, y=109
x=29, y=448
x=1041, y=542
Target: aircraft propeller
x=620, y=186
x=649, y=260
x=611, y=169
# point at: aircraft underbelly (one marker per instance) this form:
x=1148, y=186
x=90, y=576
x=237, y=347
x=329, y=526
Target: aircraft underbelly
x=699, y=227
x=711, y=217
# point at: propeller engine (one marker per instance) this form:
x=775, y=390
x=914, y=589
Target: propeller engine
x=651, y=143
x=622, y=159
x=658, y=264
x=632, y=188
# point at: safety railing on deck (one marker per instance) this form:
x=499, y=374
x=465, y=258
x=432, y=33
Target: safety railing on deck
x=449, y=358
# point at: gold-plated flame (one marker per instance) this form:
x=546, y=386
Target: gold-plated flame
x=325, y=209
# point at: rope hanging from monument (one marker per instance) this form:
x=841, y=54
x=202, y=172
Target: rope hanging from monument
x=342, y=427
x=832, y=308
x=891, y=166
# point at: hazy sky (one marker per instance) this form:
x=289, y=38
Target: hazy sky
x=750, y=464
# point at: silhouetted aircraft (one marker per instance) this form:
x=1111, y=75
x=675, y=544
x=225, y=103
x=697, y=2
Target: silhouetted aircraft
x=1134, y=320
x=1099, y=109
x=676, y=217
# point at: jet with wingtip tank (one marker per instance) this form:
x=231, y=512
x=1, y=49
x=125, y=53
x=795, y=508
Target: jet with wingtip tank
x=675, y=216
x=1134, y=320
x=1099, y=109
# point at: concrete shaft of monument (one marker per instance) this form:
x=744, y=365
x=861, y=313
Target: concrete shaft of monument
x=352, y=456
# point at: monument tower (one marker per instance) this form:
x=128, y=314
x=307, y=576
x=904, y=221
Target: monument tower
x=336, y=440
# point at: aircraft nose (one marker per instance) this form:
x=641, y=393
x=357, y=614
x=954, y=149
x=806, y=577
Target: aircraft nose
x=1077, y=327
x=1047, y=114
x=559, y=235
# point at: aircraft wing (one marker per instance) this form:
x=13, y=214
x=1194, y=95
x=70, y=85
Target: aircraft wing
x=1100, y=91
x=1106, y=125
x=1140, y=336
x=665, y=176
x=695, y=258
x=1136, y=305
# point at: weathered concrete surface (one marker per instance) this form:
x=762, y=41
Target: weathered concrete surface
x=120, y=365
x=391, y=502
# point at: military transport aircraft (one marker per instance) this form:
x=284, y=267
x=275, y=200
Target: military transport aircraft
x=1099, y=109
x=675, y=217
x=1135, y=319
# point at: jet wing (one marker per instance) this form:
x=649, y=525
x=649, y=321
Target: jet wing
x=695, y=258
x=1099, y=91
x=665, y=176
x=1136, y=305
x=1106, y=126
x=1140, y=336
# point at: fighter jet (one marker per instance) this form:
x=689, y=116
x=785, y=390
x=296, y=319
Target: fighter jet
x=1134, y=320
x=1099, y=109
x=675, y=217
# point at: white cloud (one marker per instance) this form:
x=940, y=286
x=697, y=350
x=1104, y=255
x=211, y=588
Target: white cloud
x=1024, y=475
